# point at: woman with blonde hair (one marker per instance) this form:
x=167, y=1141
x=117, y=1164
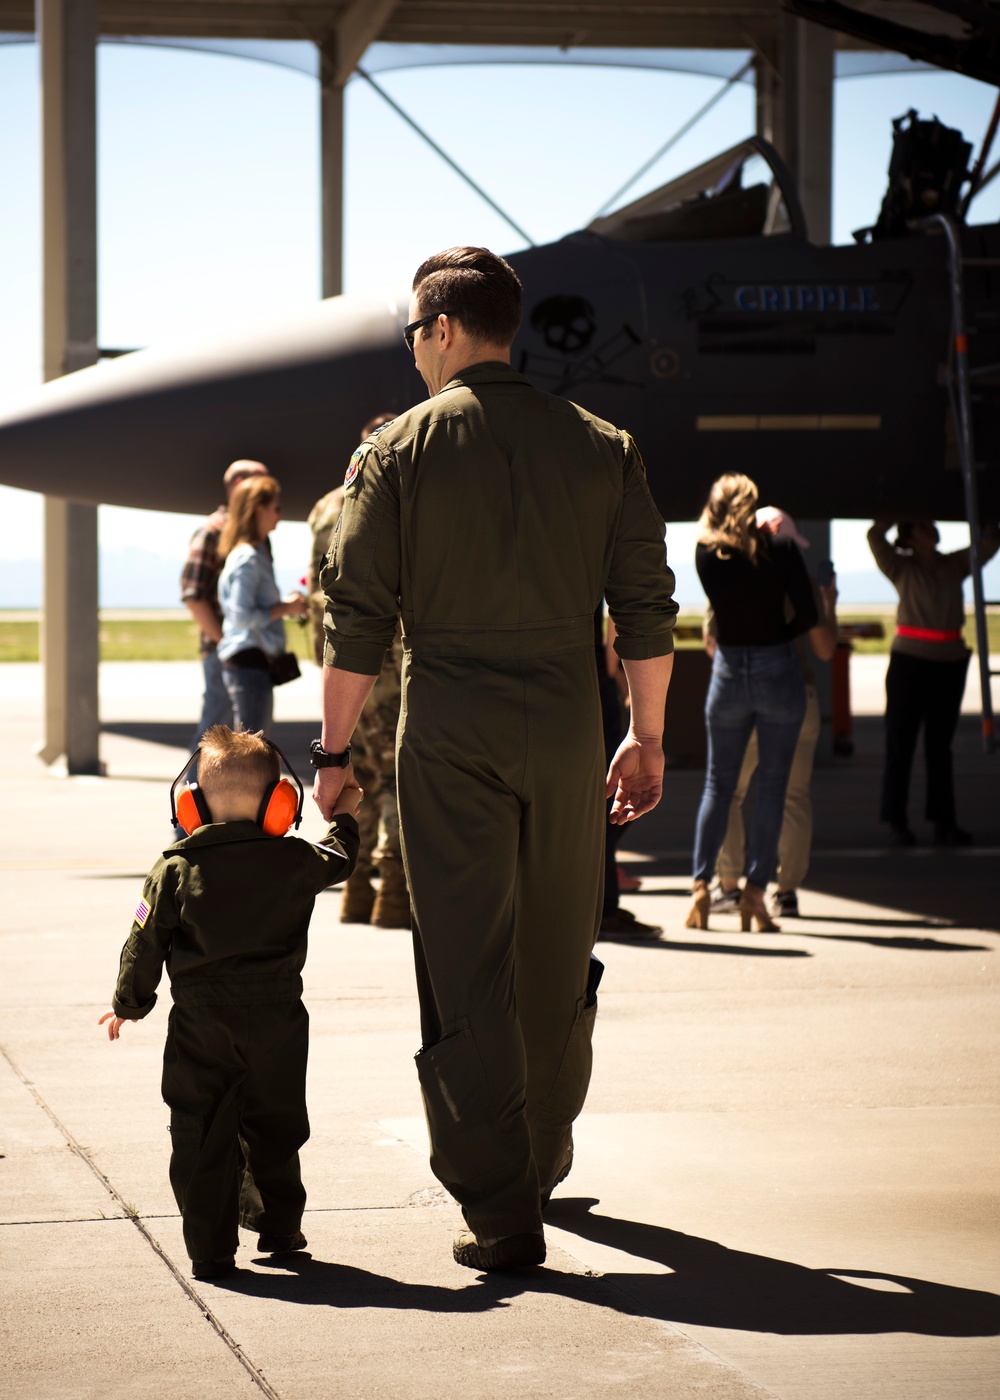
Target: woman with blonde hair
x=760, y=593
x=253, y=633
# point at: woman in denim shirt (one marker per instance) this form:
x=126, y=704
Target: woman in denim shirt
x=750, y=577
x=253, y=633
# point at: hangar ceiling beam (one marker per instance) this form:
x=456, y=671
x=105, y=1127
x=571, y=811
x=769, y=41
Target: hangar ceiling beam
x=340, y=48
x=67, y=32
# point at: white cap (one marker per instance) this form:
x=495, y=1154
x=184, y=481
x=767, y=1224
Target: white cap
x=781, y=524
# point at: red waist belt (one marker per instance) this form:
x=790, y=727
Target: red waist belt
x=929, y=634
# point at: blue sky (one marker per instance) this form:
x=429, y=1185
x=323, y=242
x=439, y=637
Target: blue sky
x=209, y=205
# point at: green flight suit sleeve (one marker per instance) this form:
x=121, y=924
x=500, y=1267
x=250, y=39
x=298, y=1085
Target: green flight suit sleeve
x=146, y=948
x=361, y=579
x=640, y=585
x=333, y=859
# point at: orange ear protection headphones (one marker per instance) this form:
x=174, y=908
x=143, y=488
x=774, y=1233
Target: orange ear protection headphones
x=280, y=806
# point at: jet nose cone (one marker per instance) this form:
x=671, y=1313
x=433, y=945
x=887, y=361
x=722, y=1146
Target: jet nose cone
x=156, y=429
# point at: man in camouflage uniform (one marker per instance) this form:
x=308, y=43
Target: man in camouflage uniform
x=373, y=748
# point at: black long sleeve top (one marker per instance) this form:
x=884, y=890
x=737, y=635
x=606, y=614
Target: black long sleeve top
x=749, y=596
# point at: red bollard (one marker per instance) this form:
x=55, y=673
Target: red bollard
x=843, y=722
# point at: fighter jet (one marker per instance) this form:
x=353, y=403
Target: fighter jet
x=700, y=317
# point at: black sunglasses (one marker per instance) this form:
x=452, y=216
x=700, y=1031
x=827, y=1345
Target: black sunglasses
x=410, y=331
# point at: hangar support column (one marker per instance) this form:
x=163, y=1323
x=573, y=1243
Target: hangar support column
x=795, y=112
x=794, y=77
x=807, y=138
x=67, y=31
x=339, y=51
x=331, y=119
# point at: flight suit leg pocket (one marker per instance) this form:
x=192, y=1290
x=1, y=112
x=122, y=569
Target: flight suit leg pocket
x=461, y=1119
x=569, y=1088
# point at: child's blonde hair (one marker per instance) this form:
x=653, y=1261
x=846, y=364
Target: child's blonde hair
x=236, y=764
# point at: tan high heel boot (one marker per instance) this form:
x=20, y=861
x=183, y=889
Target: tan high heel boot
x=752, y=906
x=698, y=913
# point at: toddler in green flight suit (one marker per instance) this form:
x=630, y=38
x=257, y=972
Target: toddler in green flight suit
x=227, y=909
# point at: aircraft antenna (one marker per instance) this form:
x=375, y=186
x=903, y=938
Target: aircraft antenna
x=445, y=156
x=668, y=145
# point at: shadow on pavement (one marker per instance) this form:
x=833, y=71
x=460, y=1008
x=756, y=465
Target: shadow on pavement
x=912, y=945
x=711, y=1286
x=708, y=1286
x=673, y=945
x=293, y=736
x=173, y=735
x=316, y=1283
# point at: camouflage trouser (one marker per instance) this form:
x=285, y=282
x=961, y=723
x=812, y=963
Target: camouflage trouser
x=375, y=738
x=374, y=755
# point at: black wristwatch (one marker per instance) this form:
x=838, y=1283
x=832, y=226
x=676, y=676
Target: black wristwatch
x=319, y=758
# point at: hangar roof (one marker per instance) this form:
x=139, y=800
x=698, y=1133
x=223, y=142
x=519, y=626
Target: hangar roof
x=732, y=24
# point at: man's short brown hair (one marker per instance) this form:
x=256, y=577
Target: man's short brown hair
x=236, y=764
x=477, y=287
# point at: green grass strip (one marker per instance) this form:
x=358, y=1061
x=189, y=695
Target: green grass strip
x=177, y=640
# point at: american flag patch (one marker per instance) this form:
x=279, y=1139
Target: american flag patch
x=141, y=913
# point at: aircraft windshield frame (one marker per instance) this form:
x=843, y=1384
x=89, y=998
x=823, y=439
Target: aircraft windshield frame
x=707, y=181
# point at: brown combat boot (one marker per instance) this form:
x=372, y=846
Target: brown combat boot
x=392, y=903
x=357, y=900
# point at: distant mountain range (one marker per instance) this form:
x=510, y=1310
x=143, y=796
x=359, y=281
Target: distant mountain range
x=134, y=578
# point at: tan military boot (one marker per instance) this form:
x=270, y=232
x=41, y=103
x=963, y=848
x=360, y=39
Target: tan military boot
x=357, y=900
x=392, y=903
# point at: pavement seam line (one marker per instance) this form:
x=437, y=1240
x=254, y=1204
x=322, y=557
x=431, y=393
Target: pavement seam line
x=214, y=1322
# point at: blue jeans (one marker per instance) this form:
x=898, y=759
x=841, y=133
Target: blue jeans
x=252, y=696
x=216, y=707
x=751, y=686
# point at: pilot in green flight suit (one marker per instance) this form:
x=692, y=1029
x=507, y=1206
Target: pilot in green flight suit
x=492, y=519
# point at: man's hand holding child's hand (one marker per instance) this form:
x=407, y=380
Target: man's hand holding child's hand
x=114, y=1030
x=350, y=799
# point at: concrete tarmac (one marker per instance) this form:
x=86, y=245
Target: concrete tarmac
x=785, y=1181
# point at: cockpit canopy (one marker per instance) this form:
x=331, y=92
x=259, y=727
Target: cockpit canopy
x=745, y=192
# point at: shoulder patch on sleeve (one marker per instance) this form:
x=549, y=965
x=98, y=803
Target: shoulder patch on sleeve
x=142, y=913
x=352, y=481
x=632, y=449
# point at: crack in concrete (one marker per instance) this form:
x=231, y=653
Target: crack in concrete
x=214, y=1322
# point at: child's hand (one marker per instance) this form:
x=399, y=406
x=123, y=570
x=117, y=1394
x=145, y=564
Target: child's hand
x=114, y=1030
x=349, y=801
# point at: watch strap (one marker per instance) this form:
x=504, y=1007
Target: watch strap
x=321, y=758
